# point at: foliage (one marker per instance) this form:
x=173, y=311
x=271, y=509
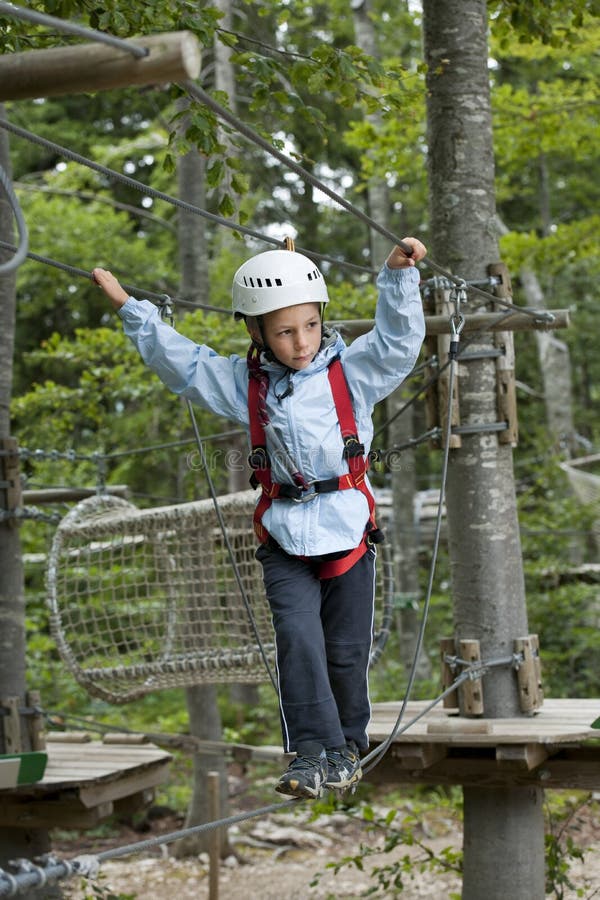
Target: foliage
x=388, y=834
x=551, y=21
x=561, y=848
x=405, y=825
x=96, y=890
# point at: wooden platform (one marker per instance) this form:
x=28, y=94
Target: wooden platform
x=85, y=782
x=556, y=747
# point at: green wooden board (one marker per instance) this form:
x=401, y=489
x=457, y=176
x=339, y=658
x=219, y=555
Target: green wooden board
x=32, y=767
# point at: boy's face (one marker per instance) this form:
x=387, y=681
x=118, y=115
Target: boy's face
x=293, y=334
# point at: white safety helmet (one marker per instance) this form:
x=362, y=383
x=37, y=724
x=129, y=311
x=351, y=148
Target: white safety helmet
x=276, y=279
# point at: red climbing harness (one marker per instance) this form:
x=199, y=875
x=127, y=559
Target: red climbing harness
x=301, y=490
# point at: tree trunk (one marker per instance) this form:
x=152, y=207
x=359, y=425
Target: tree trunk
x=555, y=367
x=484, y=544
x=14, y=842
x=203, y=710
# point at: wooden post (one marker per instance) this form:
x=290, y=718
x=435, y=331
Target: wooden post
x=10, y=476
x=214, y=851
x=448, y=648
x=531, y=695
x=35, y=723
x=446, y=309
x=12, y=725
x=505, y=364
x=470, y=691
x=85, y=68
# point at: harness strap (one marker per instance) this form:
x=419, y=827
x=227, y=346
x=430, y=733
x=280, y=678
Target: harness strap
x=353, y=453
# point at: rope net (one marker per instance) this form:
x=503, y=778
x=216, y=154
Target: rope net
x=147, y=599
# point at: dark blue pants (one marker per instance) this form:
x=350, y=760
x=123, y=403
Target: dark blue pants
x=323, y=635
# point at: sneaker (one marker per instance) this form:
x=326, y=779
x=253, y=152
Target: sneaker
x=306, y=775
x=344, y=766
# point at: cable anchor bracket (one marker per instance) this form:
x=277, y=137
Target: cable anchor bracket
x=458, y=296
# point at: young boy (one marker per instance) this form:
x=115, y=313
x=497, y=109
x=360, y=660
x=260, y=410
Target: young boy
x=307, y=400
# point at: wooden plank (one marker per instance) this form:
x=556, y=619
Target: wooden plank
x=93, y=794
x=75, y=765
x=127, y=739
x=69, y=737
x=462, y=727
x=558, y=721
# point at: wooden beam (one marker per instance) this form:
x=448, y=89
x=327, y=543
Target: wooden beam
x=86, y=68
x=64, y=495
x=577, y=769
x=521, y=756
x=418, y=756
x=518, y=321
x=62, y=812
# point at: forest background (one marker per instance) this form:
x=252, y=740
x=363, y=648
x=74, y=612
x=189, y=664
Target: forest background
x=82, y=396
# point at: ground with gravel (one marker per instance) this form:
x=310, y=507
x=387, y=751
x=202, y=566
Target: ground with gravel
x=293, y=856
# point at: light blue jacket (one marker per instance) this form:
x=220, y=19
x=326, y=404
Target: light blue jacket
x=374, y=364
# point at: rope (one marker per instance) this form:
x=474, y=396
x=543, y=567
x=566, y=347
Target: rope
x=30, y=875
x=133, y=183
x=246, y=131
x=38, y=18
x=131, y=289
x=202, y=97
x=229, y=548
x=21, y=251
x=174, y=201
x=375, y=756
x=72, y=456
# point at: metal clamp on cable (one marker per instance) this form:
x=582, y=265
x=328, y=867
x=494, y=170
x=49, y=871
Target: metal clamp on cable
x=457, y=322
x=458, y=295
x=165, y=308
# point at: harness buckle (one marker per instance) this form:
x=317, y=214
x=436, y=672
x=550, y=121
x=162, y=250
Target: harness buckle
x=306, y=494
x=353, y=447
x=258, y=458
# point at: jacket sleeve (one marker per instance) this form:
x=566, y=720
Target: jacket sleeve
x=376, y=363
x=214, y=382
